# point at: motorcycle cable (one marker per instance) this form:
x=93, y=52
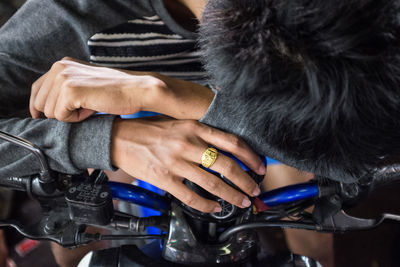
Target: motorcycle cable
x=97, y=237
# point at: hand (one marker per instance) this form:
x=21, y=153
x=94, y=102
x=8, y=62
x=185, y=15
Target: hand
x=164, y=151
x=73, y=90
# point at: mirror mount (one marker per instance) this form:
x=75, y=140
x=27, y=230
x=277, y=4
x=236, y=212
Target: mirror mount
x=45, y=178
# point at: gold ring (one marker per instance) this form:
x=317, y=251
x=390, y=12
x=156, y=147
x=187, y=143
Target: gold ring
x=209, y=157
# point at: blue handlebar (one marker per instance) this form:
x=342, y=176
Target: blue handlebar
x=140, y=196
x=148, y=199
x=289, y=194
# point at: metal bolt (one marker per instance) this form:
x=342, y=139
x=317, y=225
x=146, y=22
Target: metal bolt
x=104, y=194
x=50, y=227
x=72, y=190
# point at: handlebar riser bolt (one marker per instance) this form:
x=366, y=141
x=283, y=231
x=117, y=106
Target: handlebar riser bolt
x=104, y=194
x=51, y=227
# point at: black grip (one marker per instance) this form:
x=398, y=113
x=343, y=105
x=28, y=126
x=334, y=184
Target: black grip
x=385, y=175
x=16, y=183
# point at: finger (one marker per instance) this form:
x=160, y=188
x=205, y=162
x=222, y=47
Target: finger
x=63, y=113
x=34, y=90
x=233, y=144
x=41, y=96
x=227, y=167
x=84, y=113
x=68, y=106
x=51, y=100
x=215, y=185
x=54, y=106
x=234, y=173
x=190, y=198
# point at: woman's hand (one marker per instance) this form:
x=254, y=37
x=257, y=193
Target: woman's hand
x=164, y=151
x=73, y=90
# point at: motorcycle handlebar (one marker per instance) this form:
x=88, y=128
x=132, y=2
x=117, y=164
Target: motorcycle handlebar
x=16, y=183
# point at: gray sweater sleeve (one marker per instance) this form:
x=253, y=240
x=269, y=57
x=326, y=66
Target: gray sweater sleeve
x=238, y=116
x=40, y=33
x=244, y=117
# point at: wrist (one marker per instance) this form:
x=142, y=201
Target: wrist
x=116, y=140
x=155, y=89
x=178, y=98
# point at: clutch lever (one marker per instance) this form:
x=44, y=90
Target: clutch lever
x=342, y=222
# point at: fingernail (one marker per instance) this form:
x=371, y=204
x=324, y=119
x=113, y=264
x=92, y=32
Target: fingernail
x=262, y=169
x=246, y=203
x=218, y=209
x=256, y=191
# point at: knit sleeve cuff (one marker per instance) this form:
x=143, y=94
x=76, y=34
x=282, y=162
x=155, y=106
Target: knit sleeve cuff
x=90, y=143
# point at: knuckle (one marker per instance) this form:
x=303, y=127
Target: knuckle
x=38, y=104
x=61, y=79
x=62, y=76
x=208, y=130
x=235, y=142
x=68, y=84
x=164, y=171
x=230, y=167
x=57, y=65
x=191, y=125
x=48, y=114
x=58, y=114
x=168, y=179
x=67, y=58
x=189, y=199
x=70, y=90
x=181, y=145
x=212, y=184
x=172, y=161
x=237, y=200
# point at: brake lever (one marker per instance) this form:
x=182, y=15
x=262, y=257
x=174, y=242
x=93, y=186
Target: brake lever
x=54, y=225
x=83, y=200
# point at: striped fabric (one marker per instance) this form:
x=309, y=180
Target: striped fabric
x=147, y=44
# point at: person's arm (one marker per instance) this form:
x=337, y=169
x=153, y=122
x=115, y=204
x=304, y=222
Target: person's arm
x=72, y=90
x=40, y=33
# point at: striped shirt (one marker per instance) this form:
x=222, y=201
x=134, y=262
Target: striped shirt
x=147, y=44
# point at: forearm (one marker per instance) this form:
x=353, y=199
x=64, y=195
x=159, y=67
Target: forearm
x=178, y=98
x=69, y=148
